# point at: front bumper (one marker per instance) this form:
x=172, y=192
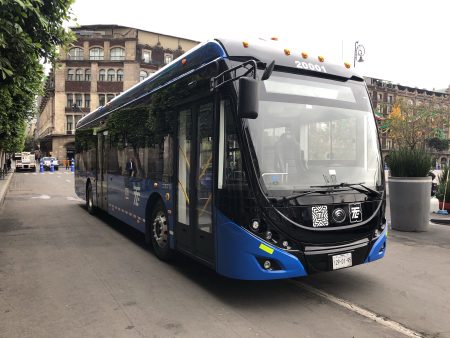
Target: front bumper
x=241, y=254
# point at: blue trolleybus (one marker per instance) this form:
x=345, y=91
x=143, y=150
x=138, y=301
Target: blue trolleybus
x=259, y=161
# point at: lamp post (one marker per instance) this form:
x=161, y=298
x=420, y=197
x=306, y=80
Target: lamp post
x=359, y=51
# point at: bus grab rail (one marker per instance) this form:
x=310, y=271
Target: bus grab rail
x=219, y=80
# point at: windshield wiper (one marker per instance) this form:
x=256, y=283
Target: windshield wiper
x=291, y=197
x=355, y=186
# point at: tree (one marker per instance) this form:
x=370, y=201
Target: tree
x=411, y=127
x=438, y=144
x=30, y=31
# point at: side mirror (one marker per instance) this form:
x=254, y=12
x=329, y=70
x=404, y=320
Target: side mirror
x=248, y=98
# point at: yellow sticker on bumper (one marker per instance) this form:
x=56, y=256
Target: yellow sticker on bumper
x=266, y=248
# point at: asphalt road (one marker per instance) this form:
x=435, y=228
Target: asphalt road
x=65, y=273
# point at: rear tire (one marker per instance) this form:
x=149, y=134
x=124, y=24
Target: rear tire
x=90, y=200
x=157, y=232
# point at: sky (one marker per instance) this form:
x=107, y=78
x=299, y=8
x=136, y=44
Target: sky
x=405, y=42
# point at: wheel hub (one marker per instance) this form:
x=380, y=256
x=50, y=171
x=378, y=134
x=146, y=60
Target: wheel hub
x=160, y=230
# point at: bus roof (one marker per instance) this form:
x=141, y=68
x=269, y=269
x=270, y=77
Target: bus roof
x=261, y=50
x=267, y=51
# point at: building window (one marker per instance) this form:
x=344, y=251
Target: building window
x=69, y=124
x=168, y=58
x=101, y=75
x=87, y=100
x=87, y=75
x=77, y=119
x=380, y=97
x=111, y=75
x=120, y=75
x=142, y=75
x=70, y=74
x=75, y=53
x=109, y=97
x=96, y=53
x=388, y=144
x=390, y=99
x=70, y=100
x=102, y=99
x=79, y=75
x=146, y=56
x=117, y=54
x=79, y=100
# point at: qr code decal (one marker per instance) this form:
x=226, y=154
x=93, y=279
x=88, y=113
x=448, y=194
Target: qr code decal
x=320, y=216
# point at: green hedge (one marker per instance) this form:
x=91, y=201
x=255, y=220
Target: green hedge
x=409, y=163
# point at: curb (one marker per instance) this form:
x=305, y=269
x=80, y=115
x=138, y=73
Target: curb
x=4, y=188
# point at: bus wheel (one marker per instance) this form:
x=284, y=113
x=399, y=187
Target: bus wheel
x=90, y=200
x=159, y=232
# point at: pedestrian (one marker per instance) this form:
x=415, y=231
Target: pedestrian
x=67, y=163
x=8, y=164
x=130, y=168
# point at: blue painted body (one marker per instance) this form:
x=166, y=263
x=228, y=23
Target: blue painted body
x=128, y=197
x=379, y=248
x=237, y=250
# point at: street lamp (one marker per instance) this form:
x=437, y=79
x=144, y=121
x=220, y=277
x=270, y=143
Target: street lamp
x=359, y=51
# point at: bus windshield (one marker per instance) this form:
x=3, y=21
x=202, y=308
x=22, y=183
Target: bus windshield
x=313, y=131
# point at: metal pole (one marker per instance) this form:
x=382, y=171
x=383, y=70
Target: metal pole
x=354, y=55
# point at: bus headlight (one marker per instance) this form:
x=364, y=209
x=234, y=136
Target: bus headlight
x=255, y=226
x=286, y=245
x=377, y=233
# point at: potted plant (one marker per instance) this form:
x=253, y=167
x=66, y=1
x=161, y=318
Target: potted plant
x=443, y=190
x=409, y=189
x=410, y=127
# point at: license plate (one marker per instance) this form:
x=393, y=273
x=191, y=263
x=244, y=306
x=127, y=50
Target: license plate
x=342, y=261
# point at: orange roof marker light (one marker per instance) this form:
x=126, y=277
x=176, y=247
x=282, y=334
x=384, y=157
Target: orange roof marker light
x=184, y=61
x=304, y=55
x=321, y=58
x=245, y=44
x=287, y=51
x=274, y=38
x=347, y=65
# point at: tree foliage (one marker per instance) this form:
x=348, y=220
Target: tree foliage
x=411, y=127
x=438, y=144
x=30, y=31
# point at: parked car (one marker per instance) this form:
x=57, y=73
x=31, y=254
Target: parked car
x=48, y=161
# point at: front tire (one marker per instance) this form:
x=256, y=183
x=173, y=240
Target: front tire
x=90, y=200
x=157, y=232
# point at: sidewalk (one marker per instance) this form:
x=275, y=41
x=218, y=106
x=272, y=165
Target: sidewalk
x=4, y=185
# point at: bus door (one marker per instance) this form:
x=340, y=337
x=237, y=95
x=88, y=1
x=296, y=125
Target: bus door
x=102, y=152
x=194, y=230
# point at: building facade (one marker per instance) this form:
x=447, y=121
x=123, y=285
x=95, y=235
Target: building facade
x=104, y=61
x=384, y=94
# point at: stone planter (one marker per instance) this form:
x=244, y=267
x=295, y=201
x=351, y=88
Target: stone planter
x=409, y=199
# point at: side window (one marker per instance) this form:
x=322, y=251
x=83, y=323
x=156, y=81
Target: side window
x=233, y=171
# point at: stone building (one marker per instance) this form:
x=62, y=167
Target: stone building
x=384, y=94
x=104, y=61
